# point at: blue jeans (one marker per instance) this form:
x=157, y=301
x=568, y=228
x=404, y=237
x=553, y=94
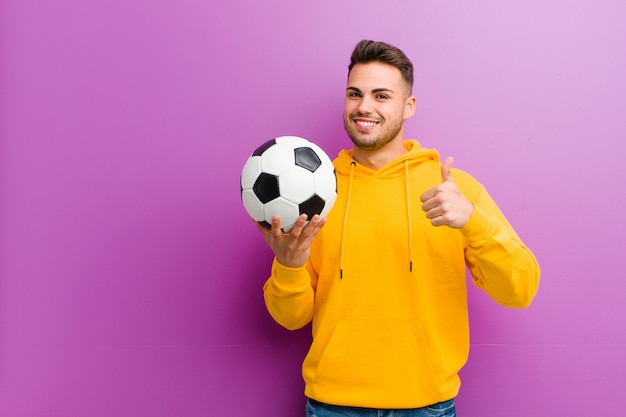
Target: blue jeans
x=317, y=409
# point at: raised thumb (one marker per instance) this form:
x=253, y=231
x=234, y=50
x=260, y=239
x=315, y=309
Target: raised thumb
x=445, y=169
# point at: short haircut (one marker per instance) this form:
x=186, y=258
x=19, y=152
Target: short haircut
x=368, y=51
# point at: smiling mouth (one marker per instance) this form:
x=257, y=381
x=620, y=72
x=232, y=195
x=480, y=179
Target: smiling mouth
x=365, y=124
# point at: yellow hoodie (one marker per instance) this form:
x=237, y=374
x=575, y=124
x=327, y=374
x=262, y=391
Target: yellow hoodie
x=387, y=291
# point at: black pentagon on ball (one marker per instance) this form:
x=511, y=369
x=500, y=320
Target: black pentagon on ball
x=307, y=158
x=312, y=206
x=258, y=151
x=266, y=187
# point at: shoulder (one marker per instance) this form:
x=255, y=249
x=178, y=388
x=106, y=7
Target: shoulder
x=468, y=185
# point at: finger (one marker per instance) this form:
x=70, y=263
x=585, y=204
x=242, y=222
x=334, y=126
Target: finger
x=276, y=230
x=314, y=225
x=297, y=228
x=316, y=231
x=429, y=204
x=445, y=169
x=321, y=224
x=428, y=194
x=312, y=229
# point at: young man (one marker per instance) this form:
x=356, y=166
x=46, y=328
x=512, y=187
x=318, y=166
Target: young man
x=383, y=278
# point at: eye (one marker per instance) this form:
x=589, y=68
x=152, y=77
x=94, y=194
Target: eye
x=354, y=94
x=382, y=97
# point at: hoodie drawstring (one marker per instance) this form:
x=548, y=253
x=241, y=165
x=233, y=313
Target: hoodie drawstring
x=345, y=219
x=408, y=211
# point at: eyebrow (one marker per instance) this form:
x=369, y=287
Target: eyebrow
x=376, y=90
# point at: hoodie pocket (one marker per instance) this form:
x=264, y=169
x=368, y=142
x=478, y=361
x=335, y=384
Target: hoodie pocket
x=384, y=358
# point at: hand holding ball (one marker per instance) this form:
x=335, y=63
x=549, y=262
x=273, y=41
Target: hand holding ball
x=288, y=176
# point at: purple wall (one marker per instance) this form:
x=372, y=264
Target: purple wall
x=130, y=275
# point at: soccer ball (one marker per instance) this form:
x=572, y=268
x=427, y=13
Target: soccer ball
x=288, y=176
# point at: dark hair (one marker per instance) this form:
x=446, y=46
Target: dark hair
x=368, y=51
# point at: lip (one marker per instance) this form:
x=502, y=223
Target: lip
x=365, y=124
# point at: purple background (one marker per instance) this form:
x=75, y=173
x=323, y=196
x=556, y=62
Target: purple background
x=130, y=275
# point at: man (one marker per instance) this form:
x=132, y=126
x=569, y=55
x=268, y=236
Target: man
x=383, y=278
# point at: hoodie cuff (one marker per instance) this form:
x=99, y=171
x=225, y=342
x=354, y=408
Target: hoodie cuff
x=292, y=279
x=478, y=228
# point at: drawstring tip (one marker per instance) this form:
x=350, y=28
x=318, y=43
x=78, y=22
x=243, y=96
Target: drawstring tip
x=341, y=274
x=410, y=266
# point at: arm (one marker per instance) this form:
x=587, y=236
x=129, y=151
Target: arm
x=288, y=293
x=289, y=296
x=499, y=262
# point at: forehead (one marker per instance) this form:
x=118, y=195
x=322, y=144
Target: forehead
x=374, y=75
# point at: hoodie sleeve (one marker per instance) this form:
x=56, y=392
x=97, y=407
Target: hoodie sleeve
x=499, y=262
x=289, y=296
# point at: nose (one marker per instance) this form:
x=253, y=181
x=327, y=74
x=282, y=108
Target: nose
x=365, y=105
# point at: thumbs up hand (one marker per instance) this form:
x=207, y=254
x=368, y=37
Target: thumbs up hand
x=444, y=204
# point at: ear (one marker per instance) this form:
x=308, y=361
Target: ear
x=409, y=107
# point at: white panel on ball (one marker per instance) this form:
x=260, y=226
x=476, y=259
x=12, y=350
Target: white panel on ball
x=250, y=172
x=329, y=205
x=325, y=185
x=252, y=205
x=277, y=159
x=294, y=141
x=288, y=212
x=296, y=184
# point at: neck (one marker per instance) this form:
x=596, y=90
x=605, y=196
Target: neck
x=377, y=159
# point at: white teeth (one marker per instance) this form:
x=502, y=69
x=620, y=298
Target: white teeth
x=364, y=123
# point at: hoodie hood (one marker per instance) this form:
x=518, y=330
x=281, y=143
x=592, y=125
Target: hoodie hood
x=415, y=155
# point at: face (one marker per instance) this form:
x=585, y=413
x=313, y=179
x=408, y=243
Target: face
x=376, y=105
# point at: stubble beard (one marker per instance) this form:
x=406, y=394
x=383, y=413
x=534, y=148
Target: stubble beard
x=368, y=142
